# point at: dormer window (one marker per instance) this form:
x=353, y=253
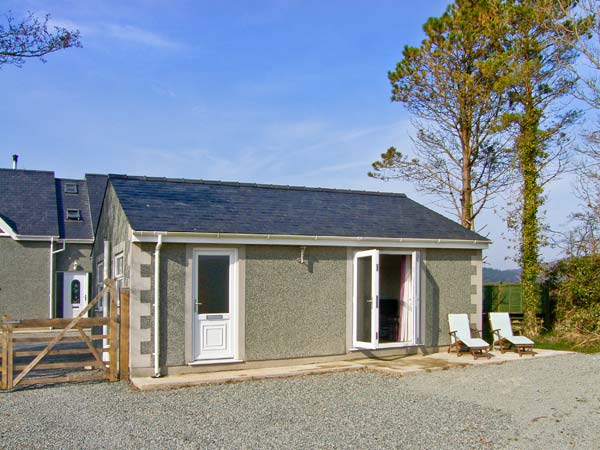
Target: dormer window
x=73, y=214
x=70, y=188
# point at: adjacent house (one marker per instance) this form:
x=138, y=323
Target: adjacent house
x=243, y=275
x=47, y=229
x=232, y=275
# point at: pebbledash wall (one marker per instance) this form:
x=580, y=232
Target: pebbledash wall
x=289, y=310
x=25, y=272
x=24, y=278
x=79, y=253
x=452, y=284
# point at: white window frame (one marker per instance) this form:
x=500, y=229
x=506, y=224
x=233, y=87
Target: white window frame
x=119, y=259
x=73, y=214
x=100, y=283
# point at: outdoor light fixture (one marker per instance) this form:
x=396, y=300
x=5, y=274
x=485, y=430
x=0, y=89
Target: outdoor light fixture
x=301, y=259
x=75, y=266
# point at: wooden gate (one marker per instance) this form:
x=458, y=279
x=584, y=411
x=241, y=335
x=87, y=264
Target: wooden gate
x=90, y=338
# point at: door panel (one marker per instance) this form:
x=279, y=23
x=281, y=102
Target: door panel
x=215, y=337
x=366, y=299
x=214, y=311
x=75, y=293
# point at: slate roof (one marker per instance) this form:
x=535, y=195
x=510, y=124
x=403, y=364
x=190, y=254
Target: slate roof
x=96, y=185
x=73, y=229
x=159, y=204
x=34, y=203
x=28, y=202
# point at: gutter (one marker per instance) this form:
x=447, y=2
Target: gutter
x=283, y=239
x=159, y=242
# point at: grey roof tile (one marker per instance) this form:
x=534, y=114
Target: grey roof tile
x=96, y=186
x=158, y=204
x=73, y=229
x=28, y=202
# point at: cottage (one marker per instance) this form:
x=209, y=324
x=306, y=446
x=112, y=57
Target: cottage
x=247, y=275
x=47, y=227
x=232, y=275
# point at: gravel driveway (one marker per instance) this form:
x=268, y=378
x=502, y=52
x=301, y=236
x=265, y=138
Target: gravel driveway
x=533, y=403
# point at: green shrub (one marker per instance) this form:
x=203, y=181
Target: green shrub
x=574, y=286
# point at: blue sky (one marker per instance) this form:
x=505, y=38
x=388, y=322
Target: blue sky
x=284, y=92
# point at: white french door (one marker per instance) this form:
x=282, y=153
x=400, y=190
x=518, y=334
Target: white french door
x=366, y=299
x=215, y=308
x=397, y=323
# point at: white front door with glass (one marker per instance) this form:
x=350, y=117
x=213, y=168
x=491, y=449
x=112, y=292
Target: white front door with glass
x=75, y=293
x=386, y=299
x=215, y=309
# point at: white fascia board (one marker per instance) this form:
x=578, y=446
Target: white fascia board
x=329, y=241
x=21, y=237
x=76, y=241
x=6, y=230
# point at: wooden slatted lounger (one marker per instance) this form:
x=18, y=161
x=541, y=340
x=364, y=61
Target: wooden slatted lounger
x=460, y=336
x=504, y=336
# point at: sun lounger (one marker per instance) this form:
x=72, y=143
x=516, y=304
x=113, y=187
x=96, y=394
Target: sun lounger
x=460, y=336
x=504, y=336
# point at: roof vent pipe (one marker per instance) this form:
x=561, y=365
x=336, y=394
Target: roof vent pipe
x=15, y=160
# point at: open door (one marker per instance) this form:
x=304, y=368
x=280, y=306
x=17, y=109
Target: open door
x=386, y=303
x=366, y=299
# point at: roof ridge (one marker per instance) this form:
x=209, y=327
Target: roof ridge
x=8, y=169
x=251, y=185
x=71, y=179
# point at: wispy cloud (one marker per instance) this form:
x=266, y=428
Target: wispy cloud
x=127, y=33
x=246, y=165
x=136, y=35
x=163, y=90
x=294, y=131
x=70, y=25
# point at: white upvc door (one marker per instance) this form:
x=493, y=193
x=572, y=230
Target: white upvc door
x=215, y=305
x=75, y=293
x=366, y=299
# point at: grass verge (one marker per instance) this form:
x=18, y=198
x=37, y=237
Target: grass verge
x=574, y=343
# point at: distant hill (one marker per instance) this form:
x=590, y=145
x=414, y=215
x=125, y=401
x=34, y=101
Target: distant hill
x=501, y=276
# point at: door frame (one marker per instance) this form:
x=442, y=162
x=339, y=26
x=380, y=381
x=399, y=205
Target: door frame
x=415, y=293
x=85, y=292
x=233, y=301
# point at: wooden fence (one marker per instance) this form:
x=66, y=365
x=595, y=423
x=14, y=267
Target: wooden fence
x=16, y=347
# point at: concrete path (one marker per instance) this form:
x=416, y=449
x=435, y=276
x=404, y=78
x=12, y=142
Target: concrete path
x=395, y=365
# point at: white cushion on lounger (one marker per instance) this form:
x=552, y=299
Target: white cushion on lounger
x=475, y=343
x=518, y=340
x=460, y=324
x=501, y=321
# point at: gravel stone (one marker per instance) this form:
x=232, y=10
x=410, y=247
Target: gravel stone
x=533, y=403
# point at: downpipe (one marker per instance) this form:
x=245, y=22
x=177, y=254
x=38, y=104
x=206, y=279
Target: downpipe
x=51, y=284
x=157, y=307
